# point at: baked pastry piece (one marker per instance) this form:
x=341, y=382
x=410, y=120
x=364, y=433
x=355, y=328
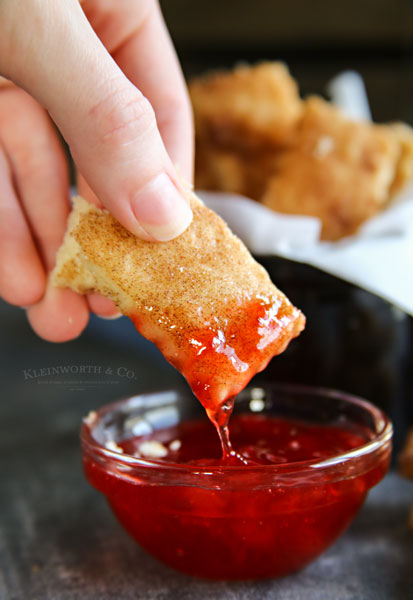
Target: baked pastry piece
x=242, y=118
x=404, y=168
x=201, y=298
x=232, y=171
x=256, y=137
x=249, y=108
x=335, y=169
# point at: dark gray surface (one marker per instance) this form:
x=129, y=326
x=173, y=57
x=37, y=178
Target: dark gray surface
x=58, y=539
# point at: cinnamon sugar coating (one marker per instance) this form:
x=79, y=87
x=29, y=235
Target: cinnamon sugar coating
x=201, y=297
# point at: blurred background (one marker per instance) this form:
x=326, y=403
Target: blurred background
x=316, y=39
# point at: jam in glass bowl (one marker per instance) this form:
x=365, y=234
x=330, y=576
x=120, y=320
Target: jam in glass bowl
x=311, y=457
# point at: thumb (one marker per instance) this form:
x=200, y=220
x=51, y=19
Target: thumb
x=109, y=125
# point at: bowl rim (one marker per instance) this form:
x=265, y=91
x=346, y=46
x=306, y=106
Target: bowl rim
x=380, y=441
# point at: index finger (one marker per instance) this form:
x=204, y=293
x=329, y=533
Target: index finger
x=140, y=44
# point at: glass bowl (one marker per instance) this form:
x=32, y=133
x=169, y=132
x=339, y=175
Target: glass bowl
x=236, y=522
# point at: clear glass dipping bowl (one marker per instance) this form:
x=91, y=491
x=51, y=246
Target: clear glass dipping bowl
x=236, y=522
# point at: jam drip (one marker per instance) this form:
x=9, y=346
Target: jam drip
x=220, y=419
x=220, y=355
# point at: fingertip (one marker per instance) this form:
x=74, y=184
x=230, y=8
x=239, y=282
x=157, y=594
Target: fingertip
x=102, y=307
x=161, y=209
x=24, y=295
x=110, y=317
x=21, y=285
x=60, y=316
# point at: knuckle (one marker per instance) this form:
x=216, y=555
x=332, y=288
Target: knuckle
x=34, y=157
x=123, y=117
x=31, y=166
x=173, y=109
x=5, y=168
x=21, y=288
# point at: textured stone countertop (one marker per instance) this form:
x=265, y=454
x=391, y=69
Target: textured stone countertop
x=58, y=539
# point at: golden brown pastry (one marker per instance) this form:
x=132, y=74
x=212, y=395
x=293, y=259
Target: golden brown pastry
x=236, y=172
x=256, y=137
x=249, y=108
x=404, y=168
x=201, y=298
x=336, y=169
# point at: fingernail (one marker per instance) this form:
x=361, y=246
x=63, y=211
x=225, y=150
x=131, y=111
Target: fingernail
x=110, y=317
x=161, y=210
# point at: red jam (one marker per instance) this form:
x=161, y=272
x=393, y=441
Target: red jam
x=219, y=357
x=240, y=523
x=258, y=440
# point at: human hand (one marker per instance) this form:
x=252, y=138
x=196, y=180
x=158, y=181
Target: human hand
x=107, y=75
